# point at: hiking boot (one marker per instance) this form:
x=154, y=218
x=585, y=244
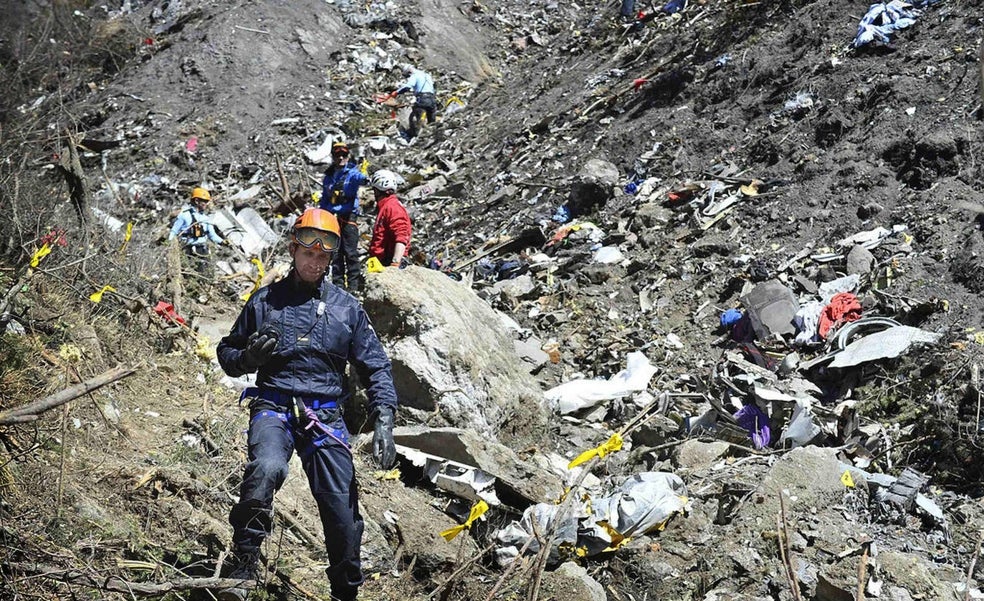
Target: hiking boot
x=345, y=595
x=246, y=566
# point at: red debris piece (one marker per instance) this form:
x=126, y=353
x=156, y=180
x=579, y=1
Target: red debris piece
x=844, y=308
x=166, y=310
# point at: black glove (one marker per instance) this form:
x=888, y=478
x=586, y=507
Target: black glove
x=383, y=447
x=259, y=349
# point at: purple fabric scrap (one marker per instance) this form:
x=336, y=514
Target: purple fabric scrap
x=753, y=419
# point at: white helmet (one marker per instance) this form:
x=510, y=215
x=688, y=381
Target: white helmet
x=385, y=180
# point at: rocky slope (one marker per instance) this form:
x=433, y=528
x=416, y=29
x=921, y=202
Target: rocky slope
x=549, y=111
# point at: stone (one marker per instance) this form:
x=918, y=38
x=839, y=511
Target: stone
x=571, y=582
x=451, y=356
x=860, y=261
x=85, y=337
x=593, y=187
x=517, y=288
x=869, y=210
x=396, y=516
x=808, y=476
x=530, y=350
x=695, y=455
x=913, y=574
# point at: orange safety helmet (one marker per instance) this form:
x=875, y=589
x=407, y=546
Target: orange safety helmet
x=339, y=147
x=317, y=226
x=201, y=194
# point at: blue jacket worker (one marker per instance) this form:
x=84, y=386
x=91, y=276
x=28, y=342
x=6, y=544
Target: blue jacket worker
x=298, y=335
x=340, y=197
x=422, y=85
x=193, y=227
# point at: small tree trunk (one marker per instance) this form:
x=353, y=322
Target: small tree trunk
x=70, y=167
x=175, y=285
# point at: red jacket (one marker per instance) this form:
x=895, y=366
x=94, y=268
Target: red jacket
x=392, y=226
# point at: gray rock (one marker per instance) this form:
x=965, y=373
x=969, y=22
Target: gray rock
x=810, y=477
x=650, y=215
x=860, y=261
x=593, y=187
x=405, y=516
x=451, y=356
x=869, y=210
x=529, y=350
x=894, y=593
x=517, y=288
x=913, y=574
x=599, y=274
x=571, y=582
x=833, y=590
x=85, y=337
x=695, y=455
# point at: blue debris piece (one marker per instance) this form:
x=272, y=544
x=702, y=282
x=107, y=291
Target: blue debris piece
x=562, y=214
x=885, y=18
x=731, y=317
x=674, y=6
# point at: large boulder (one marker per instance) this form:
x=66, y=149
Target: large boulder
x=810, y=477
x=593, y=187
x=451, y=355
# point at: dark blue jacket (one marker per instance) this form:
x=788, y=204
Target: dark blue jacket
x=314, y=348
x=345, y=181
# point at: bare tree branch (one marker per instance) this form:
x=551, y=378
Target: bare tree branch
x=117, y=584
x=60, y=398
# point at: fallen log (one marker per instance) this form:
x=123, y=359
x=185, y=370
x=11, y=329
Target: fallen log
x=117, y=584
x=19, y=414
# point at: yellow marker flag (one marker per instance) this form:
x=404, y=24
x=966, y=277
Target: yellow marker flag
x=204, y=348
x=364, y=167
x=259, y=266
x=393, y=474
x=846, y=479
x=613, y=444
x=373, y=265
x=476, y=512
x=97, y=296
x=39, y=254
x=260, y=274
x=127, y=236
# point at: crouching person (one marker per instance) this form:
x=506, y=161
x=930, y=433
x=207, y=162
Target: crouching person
x=298, y=334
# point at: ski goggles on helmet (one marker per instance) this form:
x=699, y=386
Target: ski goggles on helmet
x=308, y=237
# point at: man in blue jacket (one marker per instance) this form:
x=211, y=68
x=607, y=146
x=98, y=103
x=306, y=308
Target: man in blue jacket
x=340, y=197
x=193, y=227
x=298, y=335
x=422, y=85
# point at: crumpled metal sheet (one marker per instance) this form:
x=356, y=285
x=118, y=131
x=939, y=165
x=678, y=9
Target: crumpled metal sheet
x=641, y=504
x=456, y=478
x=886, y=344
